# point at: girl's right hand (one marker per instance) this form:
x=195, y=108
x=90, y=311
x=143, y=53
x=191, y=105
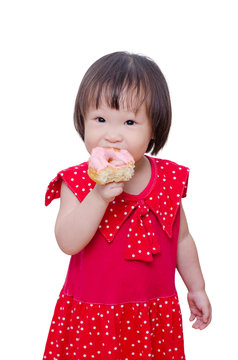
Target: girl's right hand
x=109, y=191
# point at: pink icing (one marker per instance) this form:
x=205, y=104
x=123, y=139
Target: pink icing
x=100, y=156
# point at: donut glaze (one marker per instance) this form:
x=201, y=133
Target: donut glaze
x=110, y=165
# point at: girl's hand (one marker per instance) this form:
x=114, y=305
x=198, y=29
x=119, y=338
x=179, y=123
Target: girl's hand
x=200, y=308
x=109, y=191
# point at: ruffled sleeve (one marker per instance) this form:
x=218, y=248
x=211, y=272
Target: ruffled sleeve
x=172, y=187
x=77, y=180
x=177, y=176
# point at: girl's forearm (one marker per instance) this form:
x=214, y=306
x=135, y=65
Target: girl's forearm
x=188, y=265
x=75, y=230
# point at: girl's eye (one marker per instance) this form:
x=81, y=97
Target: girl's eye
x=100, y=120
x=130, y=122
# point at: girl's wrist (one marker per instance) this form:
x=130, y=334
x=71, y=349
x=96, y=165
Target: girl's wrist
x=196, y=290
x=98, y=198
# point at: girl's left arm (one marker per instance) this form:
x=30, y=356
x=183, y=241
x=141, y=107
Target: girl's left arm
x=189, y=268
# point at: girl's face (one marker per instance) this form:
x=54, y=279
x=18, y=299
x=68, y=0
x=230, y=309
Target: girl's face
x=121, y=129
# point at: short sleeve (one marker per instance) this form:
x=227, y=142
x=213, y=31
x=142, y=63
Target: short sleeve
x=53, y=190
x=185, y=181
x=177, y=178
x=77, y=180
x=172, y=187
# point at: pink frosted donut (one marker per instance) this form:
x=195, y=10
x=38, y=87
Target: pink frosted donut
x=110, y=165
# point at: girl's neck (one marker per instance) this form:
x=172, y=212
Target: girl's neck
x=141, y=177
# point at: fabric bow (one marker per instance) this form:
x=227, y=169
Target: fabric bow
x=143, y=242
x=141, y=239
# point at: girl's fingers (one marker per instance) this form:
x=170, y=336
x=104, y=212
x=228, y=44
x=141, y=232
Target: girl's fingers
x=201, y=322
x=207, y=316
x=199, y=325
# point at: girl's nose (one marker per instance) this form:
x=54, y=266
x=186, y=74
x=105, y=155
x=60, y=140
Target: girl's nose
x=112, y=136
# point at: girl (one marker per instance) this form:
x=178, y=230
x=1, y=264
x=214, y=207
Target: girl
x=119, y=300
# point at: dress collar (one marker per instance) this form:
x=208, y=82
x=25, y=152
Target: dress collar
x=162, y=196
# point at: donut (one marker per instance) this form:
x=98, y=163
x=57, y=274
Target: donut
x=107, y=165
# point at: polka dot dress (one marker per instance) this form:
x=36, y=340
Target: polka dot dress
x=134, y=329
x=148, y=330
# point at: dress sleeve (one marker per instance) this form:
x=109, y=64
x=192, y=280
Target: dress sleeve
x=179, y=182
x=172, y=187
x=77, y=180
x=53, y=190
x=185, y=181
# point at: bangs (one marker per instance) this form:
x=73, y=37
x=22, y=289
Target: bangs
x=123, y=98
x=121, y=85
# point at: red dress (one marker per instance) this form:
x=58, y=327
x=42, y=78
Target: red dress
x=119, y=300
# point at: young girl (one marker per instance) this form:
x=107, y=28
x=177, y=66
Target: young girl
x=119, y=300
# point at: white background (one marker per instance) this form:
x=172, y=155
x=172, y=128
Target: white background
x=46, y=47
